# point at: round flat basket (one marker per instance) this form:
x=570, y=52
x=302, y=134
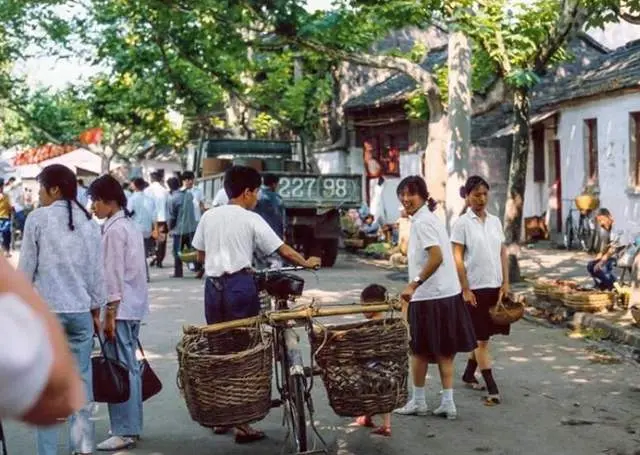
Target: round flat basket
x=541, y=289
x=225, y=377
x=507, y=312
x=590, y=302
x=635, y=312
x=364, y=365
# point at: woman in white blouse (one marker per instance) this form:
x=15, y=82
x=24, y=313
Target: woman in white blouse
x=127, y=303
x=439, y=321
x=481, y=261
x=61, y=255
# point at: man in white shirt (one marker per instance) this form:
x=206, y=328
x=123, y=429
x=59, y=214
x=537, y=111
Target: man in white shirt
x=160, y=195
x=221, y=198
x=143, y=208
x=39, y=383
x=227, y=239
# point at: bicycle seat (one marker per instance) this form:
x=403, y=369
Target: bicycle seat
x=281, y=285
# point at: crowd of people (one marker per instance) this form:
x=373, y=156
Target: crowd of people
x=94, y=278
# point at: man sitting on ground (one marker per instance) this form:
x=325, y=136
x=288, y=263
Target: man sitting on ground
x=601, y=269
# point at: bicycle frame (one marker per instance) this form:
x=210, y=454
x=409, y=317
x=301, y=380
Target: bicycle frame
x=292, y=385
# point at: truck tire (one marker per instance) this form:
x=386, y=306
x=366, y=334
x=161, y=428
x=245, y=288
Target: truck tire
x=329, y=252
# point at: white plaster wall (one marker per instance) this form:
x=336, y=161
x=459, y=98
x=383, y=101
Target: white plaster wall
x=613, y=156
x=332, y=162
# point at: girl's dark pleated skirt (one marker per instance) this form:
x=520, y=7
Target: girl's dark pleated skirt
x=440, y=327
x=482, y=323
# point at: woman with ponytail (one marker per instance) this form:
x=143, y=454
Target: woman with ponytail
x=62, y=257
x=439, y=321
x=481, y=261
x=127, y=302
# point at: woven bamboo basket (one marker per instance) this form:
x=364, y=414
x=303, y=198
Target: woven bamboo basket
x=541, y=288
x=225, y=377
x=587, y=301
x=364, y=365
x=635, y=312
x=507, y=312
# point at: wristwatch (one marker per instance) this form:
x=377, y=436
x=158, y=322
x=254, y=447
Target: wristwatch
x=417, y=280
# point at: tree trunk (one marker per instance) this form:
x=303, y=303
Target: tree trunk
x=105, y=163
x=517, y=181
x=459, y=62
x=435, y=160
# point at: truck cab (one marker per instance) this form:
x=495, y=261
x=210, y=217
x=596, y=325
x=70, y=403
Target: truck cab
x=313, y=202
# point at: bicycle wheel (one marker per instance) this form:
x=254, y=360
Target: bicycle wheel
x=297, y=390
x=584, y=233
x=568, y=233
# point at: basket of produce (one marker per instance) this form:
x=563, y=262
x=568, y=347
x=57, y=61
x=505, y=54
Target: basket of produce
x=561, y=287
x=225, y=377
x=588, y=301
x=364, y=365
x=188, y=256
x=542, y=287
x=507, y=311
x=635, y=312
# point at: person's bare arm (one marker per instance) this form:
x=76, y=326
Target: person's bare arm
x=63, y=393
x=200, y=256
x=292, y=255
x=434, y=261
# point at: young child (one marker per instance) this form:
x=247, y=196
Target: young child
x=372, y=295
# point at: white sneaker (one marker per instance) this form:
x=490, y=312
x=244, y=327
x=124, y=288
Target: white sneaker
x=412, y=409
x=116, y=443
x=447, y=409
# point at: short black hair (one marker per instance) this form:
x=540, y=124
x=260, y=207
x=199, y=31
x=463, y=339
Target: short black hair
x=1, y=181
x=374, y=293
x=173, y=183
x=237, y=179
x=471, y=184
x=603, y=212
x=139, y=183
x=188, y=175
x=80, y=182
x=270, y=179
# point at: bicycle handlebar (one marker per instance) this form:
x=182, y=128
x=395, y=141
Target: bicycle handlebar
x=281, y=270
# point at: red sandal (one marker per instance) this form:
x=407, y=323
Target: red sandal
x=382, y=431
x=365, y=421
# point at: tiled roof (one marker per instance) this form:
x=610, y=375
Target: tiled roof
x=396, y=88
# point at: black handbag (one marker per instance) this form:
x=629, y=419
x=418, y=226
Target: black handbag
x=151, y=384
x=110, y=378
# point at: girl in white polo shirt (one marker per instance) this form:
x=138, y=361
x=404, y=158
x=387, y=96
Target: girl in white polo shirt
x=439, y=321
x=481, y=260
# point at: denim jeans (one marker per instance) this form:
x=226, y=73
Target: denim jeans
x=126, y=418
x=604, y=278
x=79, y=330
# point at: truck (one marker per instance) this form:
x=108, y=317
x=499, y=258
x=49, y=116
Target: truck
x=313, y=202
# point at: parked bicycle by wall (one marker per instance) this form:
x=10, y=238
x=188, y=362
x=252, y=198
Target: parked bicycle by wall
x=580, y=232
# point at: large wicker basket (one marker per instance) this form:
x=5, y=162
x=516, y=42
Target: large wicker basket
x=225, y=377
x=507, y=312
x=588, y=301
x=364, y=365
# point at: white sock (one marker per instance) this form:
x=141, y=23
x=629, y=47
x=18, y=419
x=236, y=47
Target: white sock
x=447, y=395
x=418, y=395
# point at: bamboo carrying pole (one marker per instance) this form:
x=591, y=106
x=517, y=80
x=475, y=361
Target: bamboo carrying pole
x=307, y=312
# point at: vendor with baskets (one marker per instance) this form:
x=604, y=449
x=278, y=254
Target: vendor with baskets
x=439, y=321
x=481, y=260
x=227, y=238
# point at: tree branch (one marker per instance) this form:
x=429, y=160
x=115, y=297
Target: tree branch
x=494, y=98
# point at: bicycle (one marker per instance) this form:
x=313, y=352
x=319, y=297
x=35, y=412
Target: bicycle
x=291, y=374
x=580, y=232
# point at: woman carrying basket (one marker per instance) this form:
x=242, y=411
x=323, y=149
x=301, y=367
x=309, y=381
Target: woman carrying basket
x=439, y=321
x=481, y=260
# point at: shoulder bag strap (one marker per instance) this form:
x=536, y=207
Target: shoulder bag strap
x=141, y=350
x=3, y=440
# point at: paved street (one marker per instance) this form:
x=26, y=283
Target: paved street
x=545, y=378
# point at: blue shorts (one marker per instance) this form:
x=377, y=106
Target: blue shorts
x=230, y=297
